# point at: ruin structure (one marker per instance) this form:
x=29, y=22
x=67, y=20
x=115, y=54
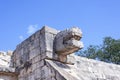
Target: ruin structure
x=48, y=55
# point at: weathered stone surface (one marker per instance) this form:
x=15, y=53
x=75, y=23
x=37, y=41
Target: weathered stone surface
x=60, y=69
x=7, y=69
x=46, y=55
x=87, y=69
x=7, y=77
x=68, y=41
x=96, y=70
x=6, y=72
x=5, y=58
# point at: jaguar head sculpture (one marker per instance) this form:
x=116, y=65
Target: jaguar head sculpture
x=68, y=41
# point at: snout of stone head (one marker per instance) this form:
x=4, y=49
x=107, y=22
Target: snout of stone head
x=73, y=33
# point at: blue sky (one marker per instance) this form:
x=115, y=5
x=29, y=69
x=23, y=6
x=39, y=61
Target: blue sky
x=96, y=18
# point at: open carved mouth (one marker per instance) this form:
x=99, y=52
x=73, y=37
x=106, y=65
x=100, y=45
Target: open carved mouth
x=68, y=41
x=72, y=43
x=71, y=37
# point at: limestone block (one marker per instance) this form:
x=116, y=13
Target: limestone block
x=32, y=37
x=18, y=62
x=49, y=41
x=43, y=55
x=24, y=58
x=59, y=77
x=22, y=73
x=42, y=43
x=29, y=70
x=32, y=77
x=34, y=66
x=17, y=54
x=19, y=46
x=37, y=34
x=53, y=78
x=41, y=63
x=34, y=44
x=45, y=72
x=35, y=52
x=7, y=77
x=36, y=59
x=37, y=65
x=50, y=30
x=25, y=42
x=70, y=59
x=21, y=52
x=5, y=59
x=37, y=73
x=30, y=45
x=49, y=54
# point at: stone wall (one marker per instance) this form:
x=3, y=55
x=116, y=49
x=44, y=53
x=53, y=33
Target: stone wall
x=89, y=69
x=5, y=58
x=29, y=56
x=7, y=73
x=46, y=55
x=7, y=77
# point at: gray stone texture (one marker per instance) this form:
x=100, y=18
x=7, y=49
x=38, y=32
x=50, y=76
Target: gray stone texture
x=6, y=72
x=47, y=55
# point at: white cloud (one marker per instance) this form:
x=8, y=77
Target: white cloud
x=32, y=29
x=21, y=37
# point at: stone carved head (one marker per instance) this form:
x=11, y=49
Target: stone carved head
x=68, y=41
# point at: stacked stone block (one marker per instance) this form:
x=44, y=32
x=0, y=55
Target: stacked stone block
x=29, y=56
x=46, y=55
